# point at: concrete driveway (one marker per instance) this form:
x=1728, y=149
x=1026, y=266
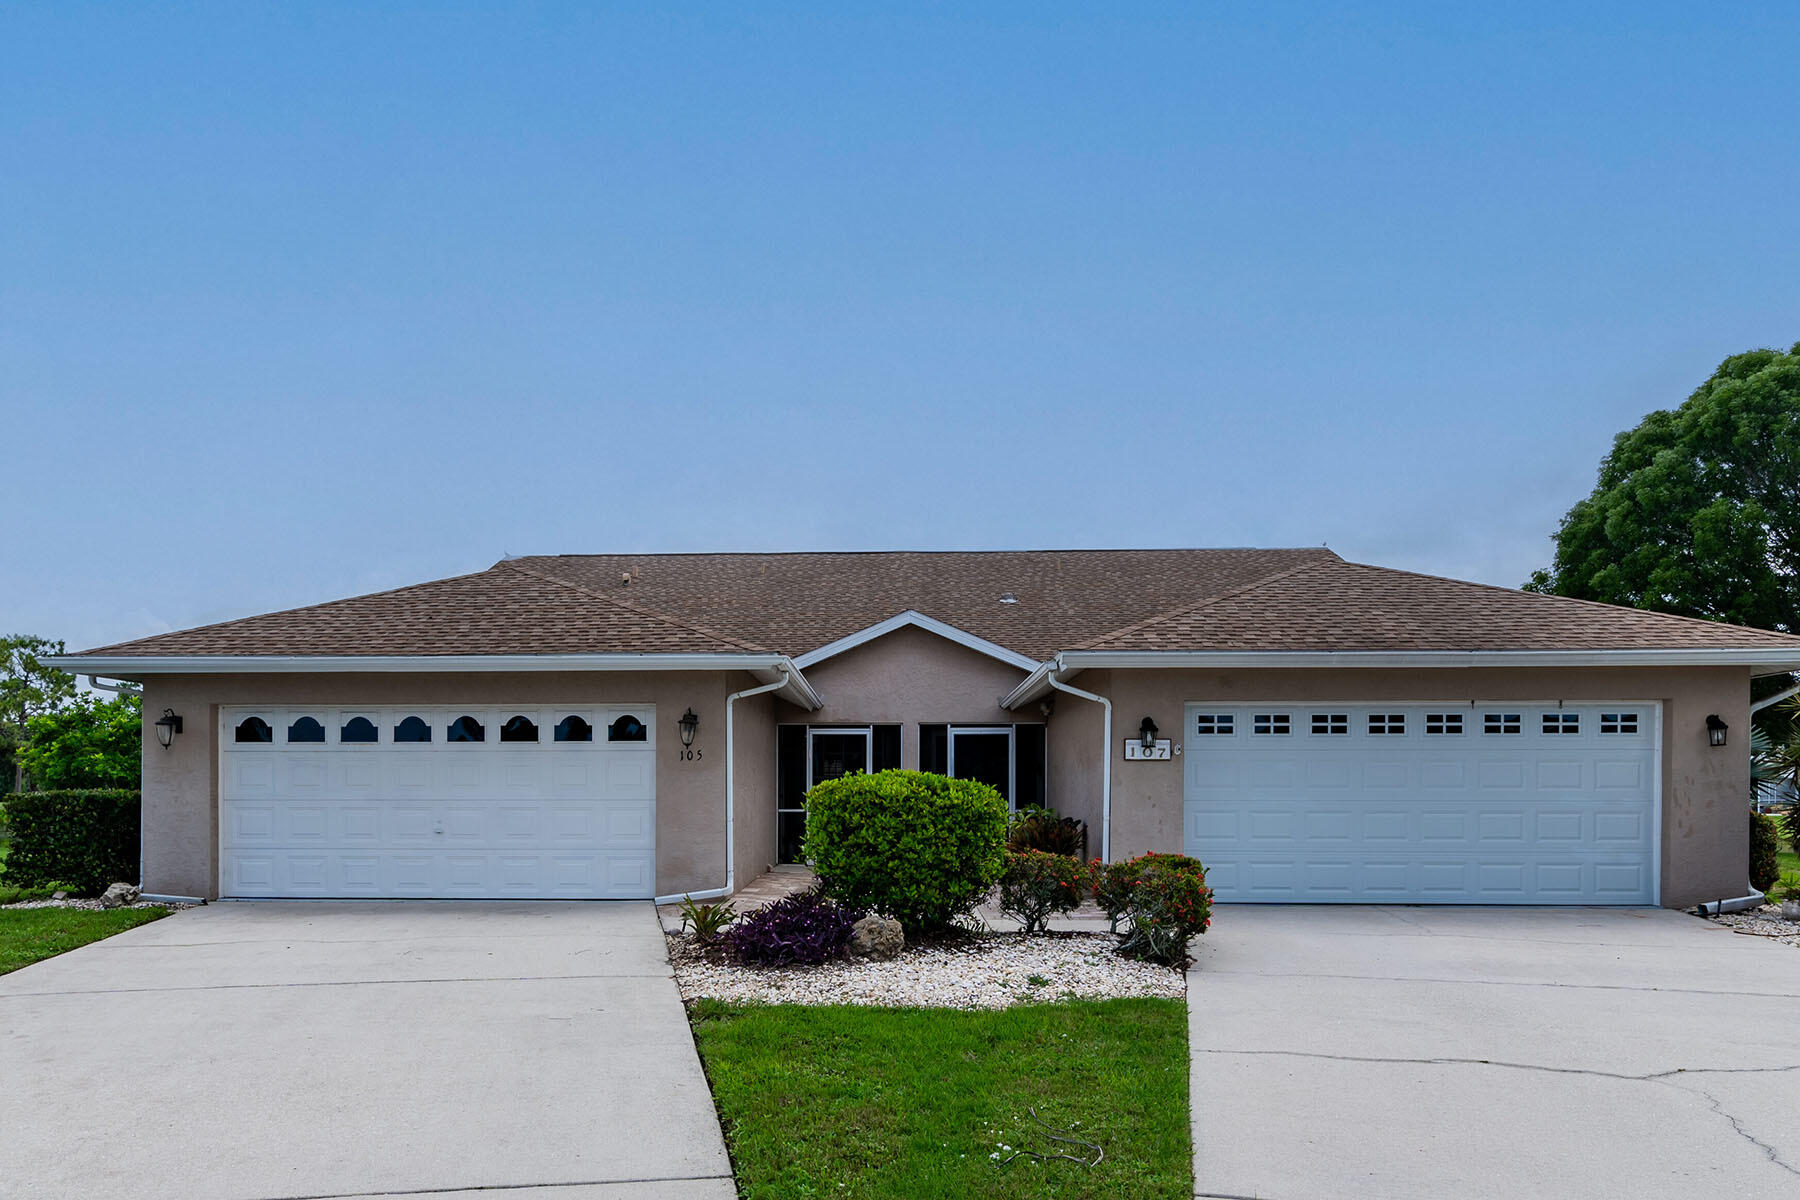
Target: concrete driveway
x=1469, y=1053
x=255, y=1051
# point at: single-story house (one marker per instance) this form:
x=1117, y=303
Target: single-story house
x=610, y=726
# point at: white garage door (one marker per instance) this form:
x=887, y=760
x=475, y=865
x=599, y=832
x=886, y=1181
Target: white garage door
x=1444, y=803
x=415, y=801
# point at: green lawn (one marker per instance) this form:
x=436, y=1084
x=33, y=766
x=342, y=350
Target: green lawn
x=910, y=1103
x=28, y=935
x=1788, y=860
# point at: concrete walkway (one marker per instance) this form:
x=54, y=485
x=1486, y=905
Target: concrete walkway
x=262, y=1051
x=1471, y=1053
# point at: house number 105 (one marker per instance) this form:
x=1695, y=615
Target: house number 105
x=689, y=755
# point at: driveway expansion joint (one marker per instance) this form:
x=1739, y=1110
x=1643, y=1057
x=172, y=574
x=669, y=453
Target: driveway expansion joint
x=1665, y=1078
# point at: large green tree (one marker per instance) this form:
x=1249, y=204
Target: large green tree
x=87, y=743
x=27, y=689
x=1697, y=510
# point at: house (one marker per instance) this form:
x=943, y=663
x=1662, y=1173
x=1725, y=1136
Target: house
x=611, y=726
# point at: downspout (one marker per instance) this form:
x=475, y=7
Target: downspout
x=1105, y=756
x=730, y=801
x=116, y=689
x=1713, y=908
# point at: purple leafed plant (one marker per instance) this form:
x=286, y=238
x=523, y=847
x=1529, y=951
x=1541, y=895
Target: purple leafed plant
x=802, y=928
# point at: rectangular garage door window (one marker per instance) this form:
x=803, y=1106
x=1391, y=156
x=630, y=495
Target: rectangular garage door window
x=1387, y=723
x=1216, y=724
x=1446, y=723
x=1269, y=723
x=1500, y=723
x=1618, y=723
x=1331, y=723
x=1562, y=723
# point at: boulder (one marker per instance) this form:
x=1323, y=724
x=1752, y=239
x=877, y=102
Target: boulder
x=119, y=895
x=877, y=937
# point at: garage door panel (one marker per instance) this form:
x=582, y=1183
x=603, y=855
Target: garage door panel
x=1512, y=804
x=466, y=819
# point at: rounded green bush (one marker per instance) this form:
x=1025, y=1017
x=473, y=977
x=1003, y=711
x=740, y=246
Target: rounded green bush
x=921, y=848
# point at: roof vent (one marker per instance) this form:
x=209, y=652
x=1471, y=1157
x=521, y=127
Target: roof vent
x=1008, y=598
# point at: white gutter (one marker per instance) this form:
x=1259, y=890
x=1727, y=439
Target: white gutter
x=730, y=802
x=773, y=667
x=116, y=689
x=1072, y=662
x=1105, y=758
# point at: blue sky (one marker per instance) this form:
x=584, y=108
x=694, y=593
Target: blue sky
x=303, y=301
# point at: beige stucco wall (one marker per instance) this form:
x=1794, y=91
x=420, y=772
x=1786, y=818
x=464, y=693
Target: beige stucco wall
x=908, y=677
x=754, y=784
x=181, y=831
x=1705, y=826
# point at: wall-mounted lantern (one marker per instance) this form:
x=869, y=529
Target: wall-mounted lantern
x=1147, y=735
x=689, y=725
x=1715, y=730
x=167, y=727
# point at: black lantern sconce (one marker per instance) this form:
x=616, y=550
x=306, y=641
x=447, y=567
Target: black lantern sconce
x=167, y=727
x=1147, y=734
x=689, y=725
x=1715, y=730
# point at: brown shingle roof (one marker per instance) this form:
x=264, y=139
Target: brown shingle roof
x=799, y=602
x=1333, y=605
x=498, y=611
x=1307, y=599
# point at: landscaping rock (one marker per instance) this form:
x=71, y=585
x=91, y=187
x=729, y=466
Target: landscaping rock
x=119, y=895
x=59, y=895
x=878, y=938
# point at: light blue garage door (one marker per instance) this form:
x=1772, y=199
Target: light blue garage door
x=1442, y=803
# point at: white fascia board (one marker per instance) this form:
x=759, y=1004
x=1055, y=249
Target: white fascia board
x=1072, y=662
x=766, y=667
x=918, y=620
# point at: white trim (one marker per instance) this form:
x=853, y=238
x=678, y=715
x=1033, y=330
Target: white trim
x=919, y=620
x=769, y=668
x=1073, y=662
x=1012, y=755
x=1777, y=698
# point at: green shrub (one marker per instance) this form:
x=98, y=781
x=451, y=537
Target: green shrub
x=920, y=848
x=1042, y=829
x=1037, y=883
x=1790, y=821
x=84, y=840
x=1113, y=882
x=1170, y=905
x=1765, y=851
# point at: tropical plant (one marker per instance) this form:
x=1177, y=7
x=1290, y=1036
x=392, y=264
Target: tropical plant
x=1042, y=829
x=706, y=921
x=1037, y=883
x=918, y=847
x=1787, y=890
x=1765, y=851
x=807, y=927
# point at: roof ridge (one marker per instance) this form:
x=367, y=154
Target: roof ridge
x=630, y=607
x=1552, y=596
x=864, y=553
x=1196, y=606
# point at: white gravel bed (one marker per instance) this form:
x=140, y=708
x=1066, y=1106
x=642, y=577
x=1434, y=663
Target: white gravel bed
x=1763, y=922
x=992, y=971
x=91, y=905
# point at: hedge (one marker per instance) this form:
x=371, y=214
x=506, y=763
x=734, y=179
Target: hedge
x=1765, y=851
x=85, y=840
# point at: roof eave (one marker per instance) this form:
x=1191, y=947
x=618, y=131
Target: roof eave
x=915, y=619
x=768, y=668
x=1760, y=661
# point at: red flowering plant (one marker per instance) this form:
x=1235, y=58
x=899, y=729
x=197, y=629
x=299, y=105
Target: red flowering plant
x=1169, y=905
x=1034, y=884
x=1113, y=882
